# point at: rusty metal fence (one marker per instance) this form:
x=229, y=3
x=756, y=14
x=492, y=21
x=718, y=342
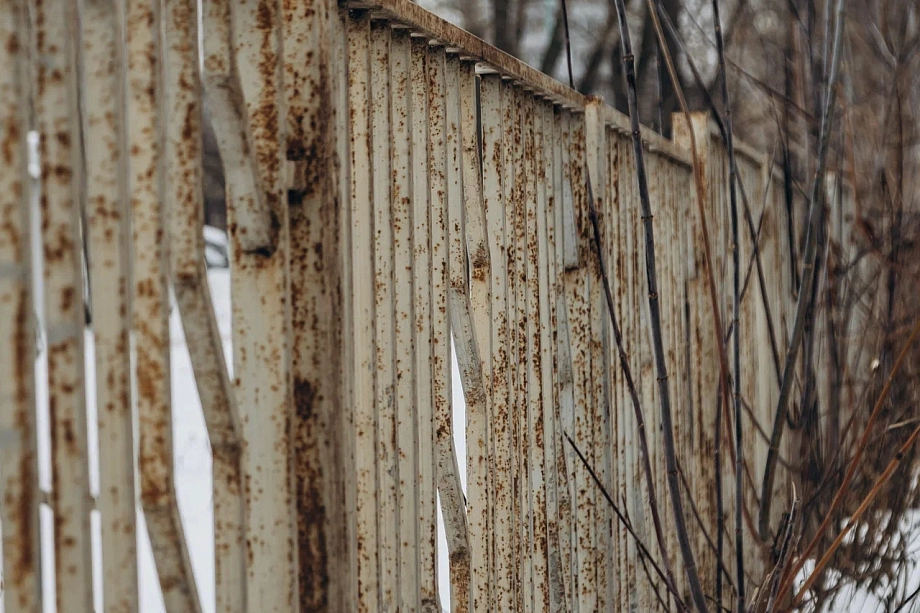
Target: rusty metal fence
x=393, y=185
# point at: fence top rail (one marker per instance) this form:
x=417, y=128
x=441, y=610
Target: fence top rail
x=471, y=48
x=654, y=142
x=493, y=60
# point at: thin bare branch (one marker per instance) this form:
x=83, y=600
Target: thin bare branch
x=736, y=315
x=815, y=217
x=677, y=506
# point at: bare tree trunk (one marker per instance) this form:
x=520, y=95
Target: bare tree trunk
x=502, y=17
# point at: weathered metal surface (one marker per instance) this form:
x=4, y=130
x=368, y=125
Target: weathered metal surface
x=459, y=303
x=385, y=399
x=422, y=304
x=61, y=201
x=493, y=103
x=19, y=505
x=625, y=288
x=703, y=398
x=421, y=20
x=108, y=235
x=577, y=299
x=362, y=306
x=260, y=290
x=595, y=154
x=537, y=597
x=619, y=396
x=444, y=176
x=403, y=244
x=151, y=308
x=478, y=425
x=552, y=450
x=344, y=575
x=562, y=370
x=182, y=157
x=232, y=129
x=518, y=312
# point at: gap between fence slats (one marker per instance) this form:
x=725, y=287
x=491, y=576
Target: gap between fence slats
x=446, y=199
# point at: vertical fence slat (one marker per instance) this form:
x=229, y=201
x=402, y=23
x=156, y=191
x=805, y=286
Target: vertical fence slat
x=509, y=250
x=511, y=131
x=618, y=395
x=385, y=390
x=488, y=285
x=577, y=297
x=521, y=414
x=406, y=404
x=595, y=156
x=18, y=453
x=493, y=104
x=362, y=210
x=444, y=177
x=316, y=120
x=622, y=267
x=563, y=364
x=151, y=309
x=660, y=199
x=422, y=282
x=57, y=115
x=459, y=304
x=478, y=426
x=260, y=300
x=108, y=235
x=182, y=153
x=553, y=462
x=244, y=204
x=344, y=596
x=538, y=599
